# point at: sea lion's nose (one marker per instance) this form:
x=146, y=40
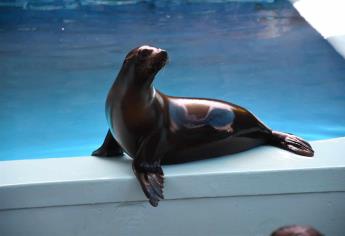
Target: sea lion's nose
x=164, y=53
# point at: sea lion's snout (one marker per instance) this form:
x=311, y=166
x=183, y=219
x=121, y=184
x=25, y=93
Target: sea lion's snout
x=162, y=58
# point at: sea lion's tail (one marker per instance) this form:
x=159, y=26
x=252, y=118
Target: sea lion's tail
x=291, y=143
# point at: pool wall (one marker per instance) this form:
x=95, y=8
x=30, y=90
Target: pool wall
x=250, y=193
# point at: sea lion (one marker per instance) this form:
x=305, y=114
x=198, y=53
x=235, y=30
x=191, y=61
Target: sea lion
x=154, y=129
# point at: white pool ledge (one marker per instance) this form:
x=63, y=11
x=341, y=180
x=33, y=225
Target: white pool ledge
x=91, y=180
x=36, y=193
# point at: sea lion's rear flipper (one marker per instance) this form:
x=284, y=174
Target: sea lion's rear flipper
x=292, y=143
x=109, y=148
x=151, y=181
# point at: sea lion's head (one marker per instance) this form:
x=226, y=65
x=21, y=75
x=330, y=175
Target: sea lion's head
x=296, y=230
x=144, y=62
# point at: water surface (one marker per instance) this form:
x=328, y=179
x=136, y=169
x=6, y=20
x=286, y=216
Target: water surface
x=57, y=66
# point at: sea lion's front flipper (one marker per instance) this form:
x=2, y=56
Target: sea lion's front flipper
x=151, y=179
x=109, y=148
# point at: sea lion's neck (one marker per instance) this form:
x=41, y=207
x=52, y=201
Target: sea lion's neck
x=126, y=86
x=139, y=94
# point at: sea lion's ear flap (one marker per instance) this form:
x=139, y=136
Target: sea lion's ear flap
x=128, y=58
x=131, y=54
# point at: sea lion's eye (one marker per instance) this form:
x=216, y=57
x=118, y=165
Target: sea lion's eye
x=145, y=53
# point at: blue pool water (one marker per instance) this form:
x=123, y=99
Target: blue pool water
x=58, y=62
